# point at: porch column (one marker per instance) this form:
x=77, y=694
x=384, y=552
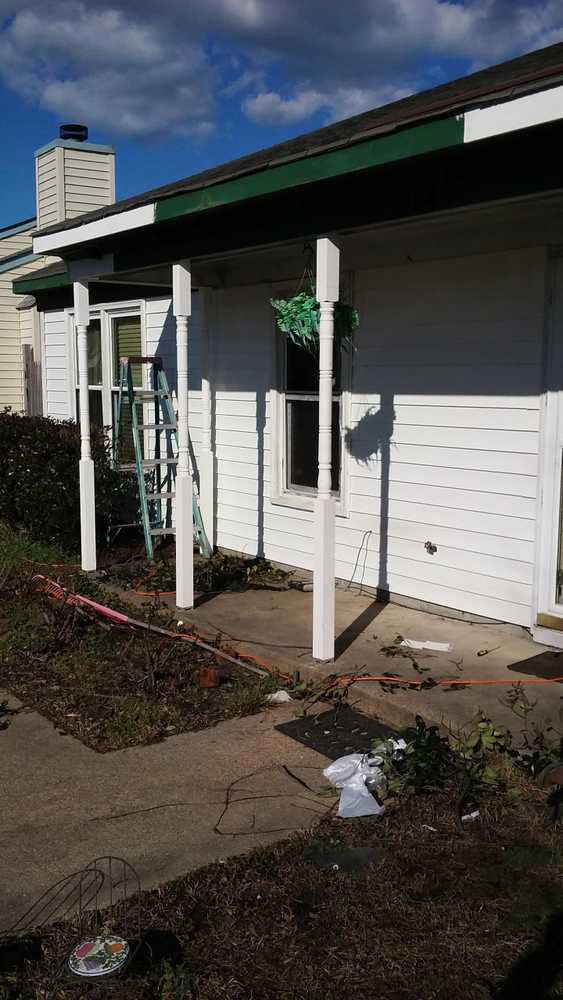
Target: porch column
x=207, y=457
x=182, y=308
x=328, y=264
x=86, y=466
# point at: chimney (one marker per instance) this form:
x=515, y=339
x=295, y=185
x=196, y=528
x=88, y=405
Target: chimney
x=72, y=176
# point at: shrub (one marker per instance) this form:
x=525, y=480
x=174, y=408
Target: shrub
x=39, y=488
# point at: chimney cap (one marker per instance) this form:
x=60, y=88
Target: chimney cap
x=77, y=132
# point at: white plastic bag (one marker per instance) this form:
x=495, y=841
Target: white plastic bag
x=349, y=773
x=357, y=800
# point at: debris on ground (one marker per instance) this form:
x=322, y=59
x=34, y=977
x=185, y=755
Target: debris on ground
x=106, y=678
x=279, y=697
x=362, y=782
x=6, y=714
x=471, y=817
x=213, y=574
x=438, y=647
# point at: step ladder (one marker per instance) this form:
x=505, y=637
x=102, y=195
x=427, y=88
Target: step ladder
x=156, y=477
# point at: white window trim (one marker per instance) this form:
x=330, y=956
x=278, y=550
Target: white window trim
x=280, y=494
x=105, y=312
x=550, y=468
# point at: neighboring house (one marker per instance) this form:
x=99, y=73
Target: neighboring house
x=20, y=383
x=72, y=177
x=440, y=447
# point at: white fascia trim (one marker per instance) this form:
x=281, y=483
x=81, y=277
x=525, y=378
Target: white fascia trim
x=523, y=112
x=134, y=218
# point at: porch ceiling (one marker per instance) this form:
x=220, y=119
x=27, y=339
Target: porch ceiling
x=530, y=221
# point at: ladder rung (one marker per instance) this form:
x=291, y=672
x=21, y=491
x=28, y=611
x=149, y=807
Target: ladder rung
x=163, y=531
x=156, y=427
x=148, y=463
x=160, y=496
x=149, y=393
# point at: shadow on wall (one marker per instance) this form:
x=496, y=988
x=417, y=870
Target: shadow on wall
x=368, y=441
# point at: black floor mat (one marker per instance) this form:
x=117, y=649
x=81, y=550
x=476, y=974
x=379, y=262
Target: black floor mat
x=336, y=732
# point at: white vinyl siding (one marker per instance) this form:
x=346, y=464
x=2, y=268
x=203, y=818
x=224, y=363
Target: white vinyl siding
x=58, y=378
x=47, y=187
x=70, y=182
x=88, y=181
x=13, y=325
x=453, y=349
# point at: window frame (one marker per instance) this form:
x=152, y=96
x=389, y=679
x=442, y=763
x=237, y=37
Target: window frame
x=106, y=313
x=303, y=497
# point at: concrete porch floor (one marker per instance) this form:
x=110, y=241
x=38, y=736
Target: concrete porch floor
x=276, y=625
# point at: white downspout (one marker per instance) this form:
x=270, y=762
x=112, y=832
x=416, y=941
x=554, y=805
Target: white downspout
x=328, y=276
x=86, y=467
x=182, y=308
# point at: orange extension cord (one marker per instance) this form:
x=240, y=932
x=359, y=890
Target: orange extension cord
x=56, y=591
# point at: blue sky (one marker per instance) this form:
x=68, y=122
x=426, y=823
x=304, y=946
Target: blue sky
x=184, y=84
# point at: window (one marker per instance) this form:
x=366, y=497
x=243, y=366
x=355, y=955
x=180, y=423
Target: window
x=300, y=394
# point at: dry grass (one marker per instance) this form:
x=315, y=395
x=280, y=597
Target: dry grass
x=441, y=916
x=109, y=688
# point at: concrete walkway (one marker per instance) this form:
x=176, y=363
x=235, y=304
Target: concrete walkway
x=276, y=624
x=161, y=807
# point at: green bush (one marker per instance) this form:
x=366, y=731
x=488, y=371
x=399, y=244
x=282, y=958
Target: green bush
x=39, y=489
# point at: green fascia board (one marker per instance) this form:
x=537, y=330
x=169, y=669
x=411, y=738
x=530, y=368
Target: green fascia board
x=27, y=286
x=415, y=141
x=401, y=145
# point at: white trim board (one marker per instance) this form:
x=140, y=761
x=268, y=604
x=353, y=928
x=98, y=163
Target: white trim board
x=134, y=218
x=522, y=112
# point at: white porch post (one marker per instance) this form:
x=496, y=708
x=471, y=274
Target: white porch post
x=328, y=264
x=182, y=308
x=207, y=457
x=86, y=467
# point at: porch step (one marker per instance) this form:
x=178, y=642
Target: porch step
x=163, y=531
x=156, y=427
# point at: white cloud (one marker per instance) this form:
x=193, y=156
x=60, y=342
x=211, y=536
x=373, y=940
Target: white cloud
x=144, y=69
x=270, y=108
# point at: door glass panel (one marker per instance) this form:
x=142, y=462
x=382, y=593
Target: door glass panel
x=95, y=376
x=96, y=408
x=127, y=342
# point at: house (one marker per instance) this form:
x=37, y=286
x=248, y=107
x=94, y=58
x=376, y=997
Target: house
x=72, y=176
x=426, y=462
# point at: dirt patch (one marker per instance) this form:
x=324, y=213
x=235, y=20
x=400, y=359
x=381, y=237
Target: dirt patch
x=111, y=688
x=211, y=575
